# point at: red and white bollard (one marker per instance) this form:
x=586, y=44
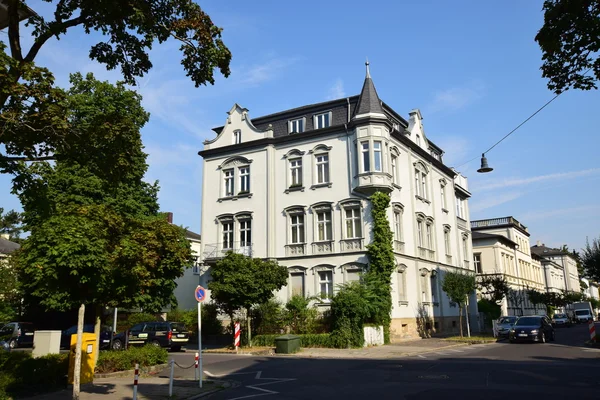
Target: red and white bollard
x=592, y=330
x=236, y=336
x=136, y=376
x=196, y=367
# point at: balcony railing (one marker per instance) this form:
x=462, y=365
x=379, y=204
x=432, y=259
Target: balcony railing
x=483, y=223
x=426, y=253
x=220, y=250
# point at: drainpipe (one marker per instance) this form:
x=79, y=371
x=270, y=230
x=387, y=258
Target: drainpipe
x=348, y=101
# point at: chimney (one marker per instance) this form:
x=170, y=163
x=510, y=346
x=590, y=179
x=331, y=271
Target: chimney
x=538, y=243
x=170, y=217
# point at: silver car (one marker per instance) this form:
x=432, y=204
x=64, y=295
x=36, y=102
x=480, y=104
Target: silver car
x=503, y=326
x=561, y=320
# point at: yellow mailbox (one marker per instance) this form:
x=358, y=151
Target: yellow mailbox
x=88, y=357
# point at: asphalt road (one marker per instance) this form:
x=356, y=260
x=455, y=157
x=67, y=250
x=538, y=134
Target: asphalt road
x=555, y=370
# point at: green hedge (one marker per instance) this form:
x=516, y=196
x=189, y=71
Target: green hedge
x=22, y=375
x=306, y=340
x=112, y=361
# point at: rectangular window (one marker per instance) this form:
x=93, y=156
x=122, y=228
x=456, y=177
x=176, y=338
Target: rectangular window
x=418, y=183
x=322, y=121
x=434, y=284
x=228, y=174
x=447, y=241
x=353, y=275
x=402, y=286
x=246, y=233
x=460, y=212
x=296, y=172
x=297, y=125
x=297, y=283
x=353, y=223
x=366, y=160
x=465, y=249
x=398, y=225
x=322, y=168
x=326, y=284
x=324, y=231
x=394, y=171
x=429, y=237
x=477, y=262
x=237, y=137
x=297, y=229
x=244, y=179
x=377, y=155
x=227, y=235
x=420, y=233
x=423, y=185
x=443, y=193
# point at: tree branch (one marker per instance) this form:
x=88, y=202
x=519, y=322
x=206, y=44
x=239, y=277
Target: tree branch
x=13, y=30
x=56, y=27
x=15, y=158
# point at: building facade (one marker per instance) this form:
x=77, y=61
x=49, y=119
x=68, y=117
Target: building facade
x=501, y=247
x=294, y=187
x=562, y=265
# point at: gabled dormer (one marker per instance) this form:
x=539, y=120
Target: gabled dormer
x=415, y=129
x=238, y=129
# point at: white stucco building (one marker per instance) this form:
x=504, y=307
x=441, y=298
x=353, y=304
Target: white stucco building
x=501, y=247
x=293, y=186
x=560, y=265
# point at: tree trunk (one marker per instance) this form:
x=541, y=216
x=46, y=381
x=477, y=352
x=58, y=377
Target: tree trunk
x=77, y=370
x=97, y=330
x=460, y=319
x=249, y=331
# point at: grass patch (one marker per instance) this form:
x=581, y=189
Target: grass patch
x=472, y=339
x=123, y=360
x=21, y=375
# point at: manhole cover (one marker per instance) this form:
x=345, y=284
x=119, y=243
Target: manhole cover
x=433, y=376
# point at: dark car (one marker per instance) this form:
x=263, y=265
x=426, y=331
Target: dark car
x=17, y=334
x=532, y=328
x=503, y=326
x=166, y=334
x=105, y=332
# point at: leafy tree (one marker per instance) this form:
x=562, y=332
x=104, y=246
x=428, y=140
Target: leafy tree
x=240, y=282
x=595, y=303
x=10, y=223
x=535, y=297
x=494, y=287
x=10, y=291
x=268, y=318
x=381, y=262
x=590, y=259
x=570, y=43
x=458, y=286
x=33, y=118
x=300, y=316
x=97, y=237
x=350, y=307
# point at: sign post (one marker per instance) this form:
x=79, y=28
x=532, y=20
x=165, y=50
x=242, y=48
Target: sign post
x=200, y=295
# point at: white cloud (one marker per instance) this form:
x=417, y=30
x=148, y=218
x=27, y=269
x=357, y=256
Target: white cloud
x=457, y=98
x=493, y=201
x=256, y=74
x=541, y=178
x=571, y=212
x=336, y=91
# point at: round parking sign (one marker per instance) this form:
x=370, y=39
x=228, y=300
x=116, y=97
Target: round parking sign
x=200, y=294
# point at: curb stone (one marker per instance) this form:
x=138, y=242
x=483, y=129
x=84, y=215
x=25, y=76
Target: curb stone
x=224, y=385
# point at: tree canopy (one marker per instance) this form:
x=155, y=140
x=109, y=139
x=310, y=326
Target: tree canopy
x=590, y=259
x=96, y=234
x=10, y=223
x=494, y=287
x=458, y=286
x=570, y=43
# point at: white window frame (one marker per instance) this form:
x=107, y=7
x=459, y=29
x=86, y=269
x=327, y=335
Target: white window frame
x=443, y=195
x=326, y=224
x=229, y=182
x=293, y=125
x=394, y=167
x=245, y=230
x=460, y=209
x=377, y=155
x=317, y=119
x=429, y=234
x=328, y=282
x=299, y=226
x=465, y=244
x=420, y=237
x=237, y=136
x=402, y=279
x=421, y=174
x=354, y=220
x=365, y=156
x=447, y=241
x=228, y=223
x=323, y=171
x=296, y=172
x=244, y=178
x=398, y=224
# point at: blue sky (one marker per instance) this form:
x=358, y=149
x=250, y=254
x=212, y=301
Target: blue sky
x=472, y=68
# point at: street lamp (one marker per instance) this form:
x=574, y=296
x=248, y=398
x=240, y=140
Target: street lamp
x=484, y=165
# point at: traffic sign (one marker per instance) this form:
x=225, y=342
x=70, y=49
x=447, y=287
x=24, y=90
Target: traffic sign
x=200, y=294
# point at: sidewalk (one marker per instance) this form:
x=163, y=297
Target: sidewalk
x=149, y=388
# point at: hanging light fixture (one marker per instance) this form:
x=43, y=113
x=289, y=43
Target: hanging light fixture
x=484, y=165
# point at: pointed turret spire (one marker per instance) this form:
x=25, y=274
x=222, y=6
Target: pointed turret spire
x=368, y=102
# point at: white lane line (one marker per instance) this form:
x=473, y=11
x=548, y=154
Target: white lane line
x=255, y=386
x=421, y=356
x=457, y=351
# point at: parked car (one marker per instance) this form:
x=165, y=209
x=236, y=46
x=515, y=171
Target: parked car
x=561, y=320
x=503, y=326
x=166, y=334
x=105, y=332
x=583, y=316
x=532, y=328
x=17, y=334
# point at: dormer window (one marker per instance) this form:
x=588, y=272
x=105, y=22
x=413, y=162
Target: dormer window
x=296, y=125
x=237, y=137
x=323, y=120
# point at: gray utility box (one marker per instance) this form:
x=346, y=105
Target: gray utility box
x=46, y=342
x=287, y=344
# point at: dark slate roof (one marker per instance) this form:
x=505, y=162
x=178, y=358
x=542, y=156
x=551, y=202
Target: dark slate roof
x=368, y=101
x=7, y=247
x=547, y=251
x=192, y=235
x=480, y=235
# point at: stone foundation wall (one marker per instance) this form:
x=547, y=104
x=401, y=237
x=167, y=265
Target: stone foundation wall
x=411, y=328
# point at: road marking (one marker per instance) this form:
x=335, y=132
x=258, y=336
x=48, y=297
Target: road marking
x=592, y=350
x=457, y=351
x=257, y=376
x=421, y=356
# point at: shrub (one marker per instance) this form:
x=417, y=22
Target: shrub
x=300, y=316
x=350, y=308
x=21, y=374
x=136, y=318
x=210, y=321
x=307, y=340
x=111, y=361
x=267, y=318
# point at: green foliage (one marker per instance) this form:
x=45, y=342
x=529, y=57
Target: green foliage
x=458, y=286
x=10, y=223
x=210, y=321
x=536, y=297
x=10, y=290
x=489, y=308
x=139, y=317
x=570, y=42
x=350, y=307
x=267, y=318
x=493, y=287
x=306, y=340
x=300, y=316
x=590, y=259
x=123, y=360
x=96, y=234
x=22, y=375
x=381, y=262
x=595, y=303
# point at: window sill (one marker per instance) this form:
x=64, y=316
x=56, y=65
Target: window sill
x=403, y=303
x=444, y=210
x=397, y=186
x=294, y=189
x=321, y=185
x=424, y=200
x=235, y=197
